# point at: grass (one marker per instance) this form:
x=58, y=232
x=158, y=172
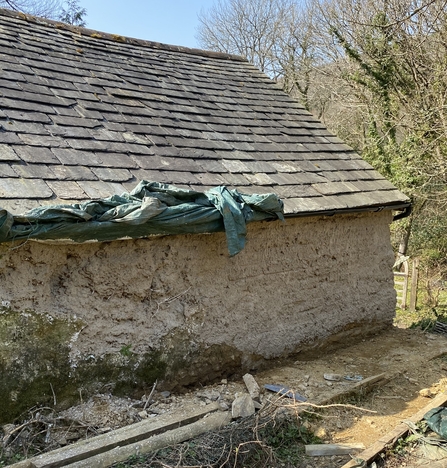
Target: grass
x=431, y=307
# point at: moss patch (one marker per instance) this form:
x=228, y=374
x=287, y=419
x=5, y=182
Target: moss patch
x=36, y=369
x=34, y=358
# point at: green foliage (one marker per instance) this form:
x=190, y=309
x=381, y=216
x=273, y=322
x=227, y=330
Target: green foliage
x=429, y=240
x=73, y=13
x=10, y=460
x=286, y=438
x=125, y=351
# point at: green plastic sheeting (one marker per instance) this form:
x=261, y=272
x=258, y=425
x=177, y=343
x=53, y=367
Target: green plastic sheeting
x=437, y=420
x=151, y=208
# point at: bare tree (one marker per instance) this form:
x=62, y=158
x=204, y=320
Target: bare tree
x=251, y=28
x=45, y=8
x=67, y=11
x=275, y=35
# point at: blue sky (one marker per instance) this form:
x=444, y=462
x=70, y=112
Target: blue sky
x=168, y=21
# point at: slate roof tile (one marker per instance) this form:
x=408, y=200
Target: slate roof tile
x=260, y=166
x=24, y=188
x=261, y=179
x=15, y=104
x=73, y=173
x=7, y=171
x=76, y=158
x=304, y=204
x=7, y=153
x=36, y=154
x=290, y=191
x=209, y=179
x=176, y=177
x=75, y=126
x=332, y=188
x=99, y=189
x=285, y=166
x=119, y=160
x=68, y=132
x=211, y=166
x=25, y=127
x=9, y=137
x=87, y=144
x=235, y=180
x=143, y=174
x=34, y=171
x=74, y=121
x=67, y=190
x=166, y=163
x=235, y=166
x=112, y=175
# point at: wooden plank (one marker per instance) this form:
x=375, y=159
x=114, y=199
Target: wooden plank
x=364, y=386
x=391, y=438
x=212, y=422
x=120, y=437
x=323, y=450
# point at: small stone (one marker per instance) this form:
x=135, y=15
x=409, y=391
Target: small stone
x=257, y=404
x=242, y=407
x=321, y=432
x=165, y=394
x=329, y=384
x=426, y=392
x=143, y=414
x=223, y=406
x=212, y=395
x=224, y=381
x=333, y=377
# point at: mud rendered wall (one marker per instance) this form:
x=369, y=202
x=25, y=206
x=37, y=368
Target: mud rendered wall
x=116, y=316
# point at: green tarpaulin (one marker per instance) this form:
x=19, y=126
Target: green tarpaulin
x=151, y=208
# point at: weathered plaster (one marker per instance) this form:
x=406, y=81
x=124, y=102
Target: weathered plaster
x=182, y=304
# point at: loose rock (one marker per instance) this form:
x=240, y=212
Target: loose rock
x=333, y=377
x=252, y=386
x=426, y=392
x=242, y=407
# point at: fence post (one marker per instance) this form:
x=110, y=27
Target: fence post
x=414, y=285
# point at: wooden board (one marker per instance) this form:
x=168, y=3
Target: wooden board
x=212, y=422
x=324, y=450
x=388, y=440
x=118, y=438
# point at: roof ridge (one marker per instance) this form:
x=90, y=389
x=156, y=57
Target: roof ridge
x=118, y=38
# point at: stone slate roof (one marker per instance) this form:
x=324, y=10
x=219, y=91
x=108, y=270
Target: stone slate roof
x=85, y=115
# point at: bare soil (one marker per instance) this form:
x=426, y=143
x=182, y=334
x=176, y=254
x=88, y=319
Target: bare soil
x=413, y=360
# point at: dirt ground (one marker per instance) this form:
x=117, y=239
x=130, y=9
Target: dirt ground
x=411, y=359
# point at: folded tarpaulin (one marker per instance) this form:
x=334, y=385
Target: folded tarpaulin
x=150, y=209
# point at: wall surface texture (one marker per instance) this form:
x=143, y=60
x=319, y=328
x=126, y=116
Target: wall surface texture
x=177, y=308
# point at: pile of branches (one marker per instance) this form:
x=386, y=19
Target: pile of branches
x=39, y=431
x=249, y=442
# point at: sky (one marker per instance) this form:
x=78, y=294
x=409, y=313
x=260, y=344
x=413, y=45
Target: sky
x=169, y=21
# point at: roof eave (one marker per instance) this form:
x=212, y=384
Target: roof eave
x=403, y=207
